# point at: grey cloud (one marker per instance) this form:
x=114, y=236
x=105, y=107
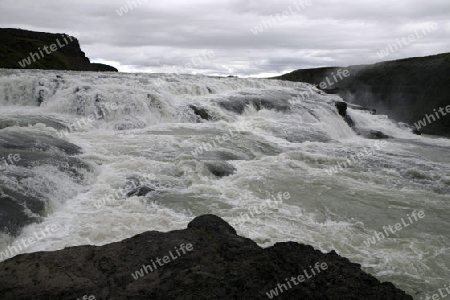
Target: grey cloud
x=172, y=32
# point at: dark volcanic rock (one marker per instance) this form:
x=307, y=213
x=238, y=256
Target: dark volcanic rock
x=221, y=265
x=342, y=109
x=137, y=187
x=200, y=112
x=140, y=191
x=17, y=44
x=406, y=89
x=370, y=134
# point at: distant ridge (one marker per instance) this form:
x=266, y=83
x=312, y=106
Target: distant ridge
x=408, y=90
x=23, y=49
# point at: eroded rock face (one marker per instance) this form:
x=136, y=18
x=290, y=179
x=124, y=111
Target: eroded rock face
x=406, y=90
x=200, y=112
x=219, y=265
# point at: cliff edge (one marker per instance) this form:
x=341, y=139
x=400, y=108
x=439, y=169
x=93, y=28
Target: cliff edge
x=408, y=90
x=23, y=49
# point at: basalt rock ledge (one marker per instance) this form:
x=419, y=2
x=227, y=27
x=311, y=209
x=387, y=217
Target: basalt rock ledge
x=24, y=49
x=220, y=265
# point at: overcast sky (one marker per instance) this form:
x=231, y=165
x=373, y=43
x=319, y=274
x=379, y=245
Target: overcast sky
x=217, y=37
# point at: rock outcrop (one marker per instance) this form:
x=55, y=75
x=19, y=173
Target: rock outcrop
x=208, y=260
x=342, y=110
x=23, y=49
x=21, y=199
x=407, y=90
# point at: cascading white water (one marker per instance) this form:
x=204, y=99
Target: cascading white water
x=154, y=128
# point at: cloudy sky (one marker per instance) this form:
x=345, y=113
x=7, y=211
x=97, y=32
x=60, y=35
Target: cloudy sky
x=239, y=37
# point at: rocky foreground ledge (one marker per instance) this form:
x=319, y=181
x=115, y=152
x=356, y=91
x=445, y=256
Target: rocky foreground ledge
x=208, y=260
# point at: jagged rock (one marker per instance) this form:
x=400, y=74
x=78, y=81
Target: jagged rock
x=342, y=110
x=140, y=191
x=136, y=186
x=370, y=134
x=220, y=265
x=201, y=112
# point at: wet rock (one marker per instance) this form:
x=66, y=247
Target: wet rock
x=201, y=112
x=404, y=89
x=40, y=98
x=376, y=134
x=140, y=191
x=342, y=110
x=371, y=134
x=220, y=265
x=99, y=105
x=128, y=125
x=21, y=197
x=416, y=131
x=220, y=168
x=13, y=216
x=137, y=186
x=237, y=104
x=25, y=121
x=234, y=105
x=36, y=143
x=349, y=121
